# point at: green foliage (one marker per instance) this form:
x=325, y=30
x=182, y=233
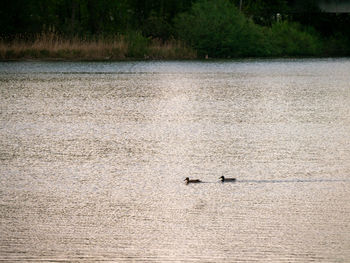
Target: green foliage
x=218, y=29
x=156, y=26
x=32, y=53
x=291, y=40
x=137, y=45
x=339, y=45
x=44, y=53
x=89, y=17
x=211, y=27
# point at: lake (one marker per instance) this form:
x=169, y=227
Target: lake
x=93, y=157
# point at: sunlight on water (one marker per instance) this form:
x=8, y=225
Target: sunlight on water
x=93, y=158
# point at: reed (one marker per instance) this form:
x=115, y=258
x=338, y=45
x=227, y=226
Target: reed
x=52, y=46
x=172, y=49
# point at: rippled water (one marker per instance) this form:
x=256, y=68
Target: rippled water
x=93, y=158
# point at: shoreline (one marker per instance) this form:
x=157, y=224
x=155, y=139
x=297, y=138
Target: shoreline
x=54, y=47
x=48, y=59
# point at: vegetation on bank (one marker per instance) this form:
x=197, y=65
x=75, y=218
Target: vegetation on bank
x=149, y=29
x=218, y=29
x=51, y=46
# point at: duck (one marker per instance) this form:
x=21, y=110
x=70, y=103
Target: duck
x=223, y=179
x=190, y=181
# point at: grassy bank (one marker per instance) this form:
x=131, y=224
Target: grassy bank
x=132, y=46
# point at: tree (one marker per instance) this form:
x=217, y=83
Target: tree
x=264, y=12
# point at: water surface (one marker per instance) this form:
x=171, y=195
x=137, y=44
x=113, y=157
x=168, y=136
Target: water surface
x=93, y=158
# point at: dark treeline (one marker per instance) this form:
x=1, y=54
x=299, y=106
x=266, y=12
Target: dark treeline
x=90, y=17
x=217, y=28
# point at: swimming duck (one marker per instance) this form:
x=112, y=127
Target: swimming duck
x=188, y=181
x=223, y=179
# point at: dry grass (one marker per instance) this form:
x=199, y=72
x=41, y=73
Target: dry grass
x=173, y=49
x=53, y=46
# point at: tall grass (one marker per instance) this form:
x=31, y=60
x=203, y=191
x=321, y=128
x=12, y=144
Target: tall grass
x=121, y=47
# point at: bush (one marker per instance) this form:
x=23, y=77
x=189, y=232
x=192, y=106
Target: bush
x=291, y=40
x=137, y=45
x=338, y=45
x=44, y=53
x=217, y=29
